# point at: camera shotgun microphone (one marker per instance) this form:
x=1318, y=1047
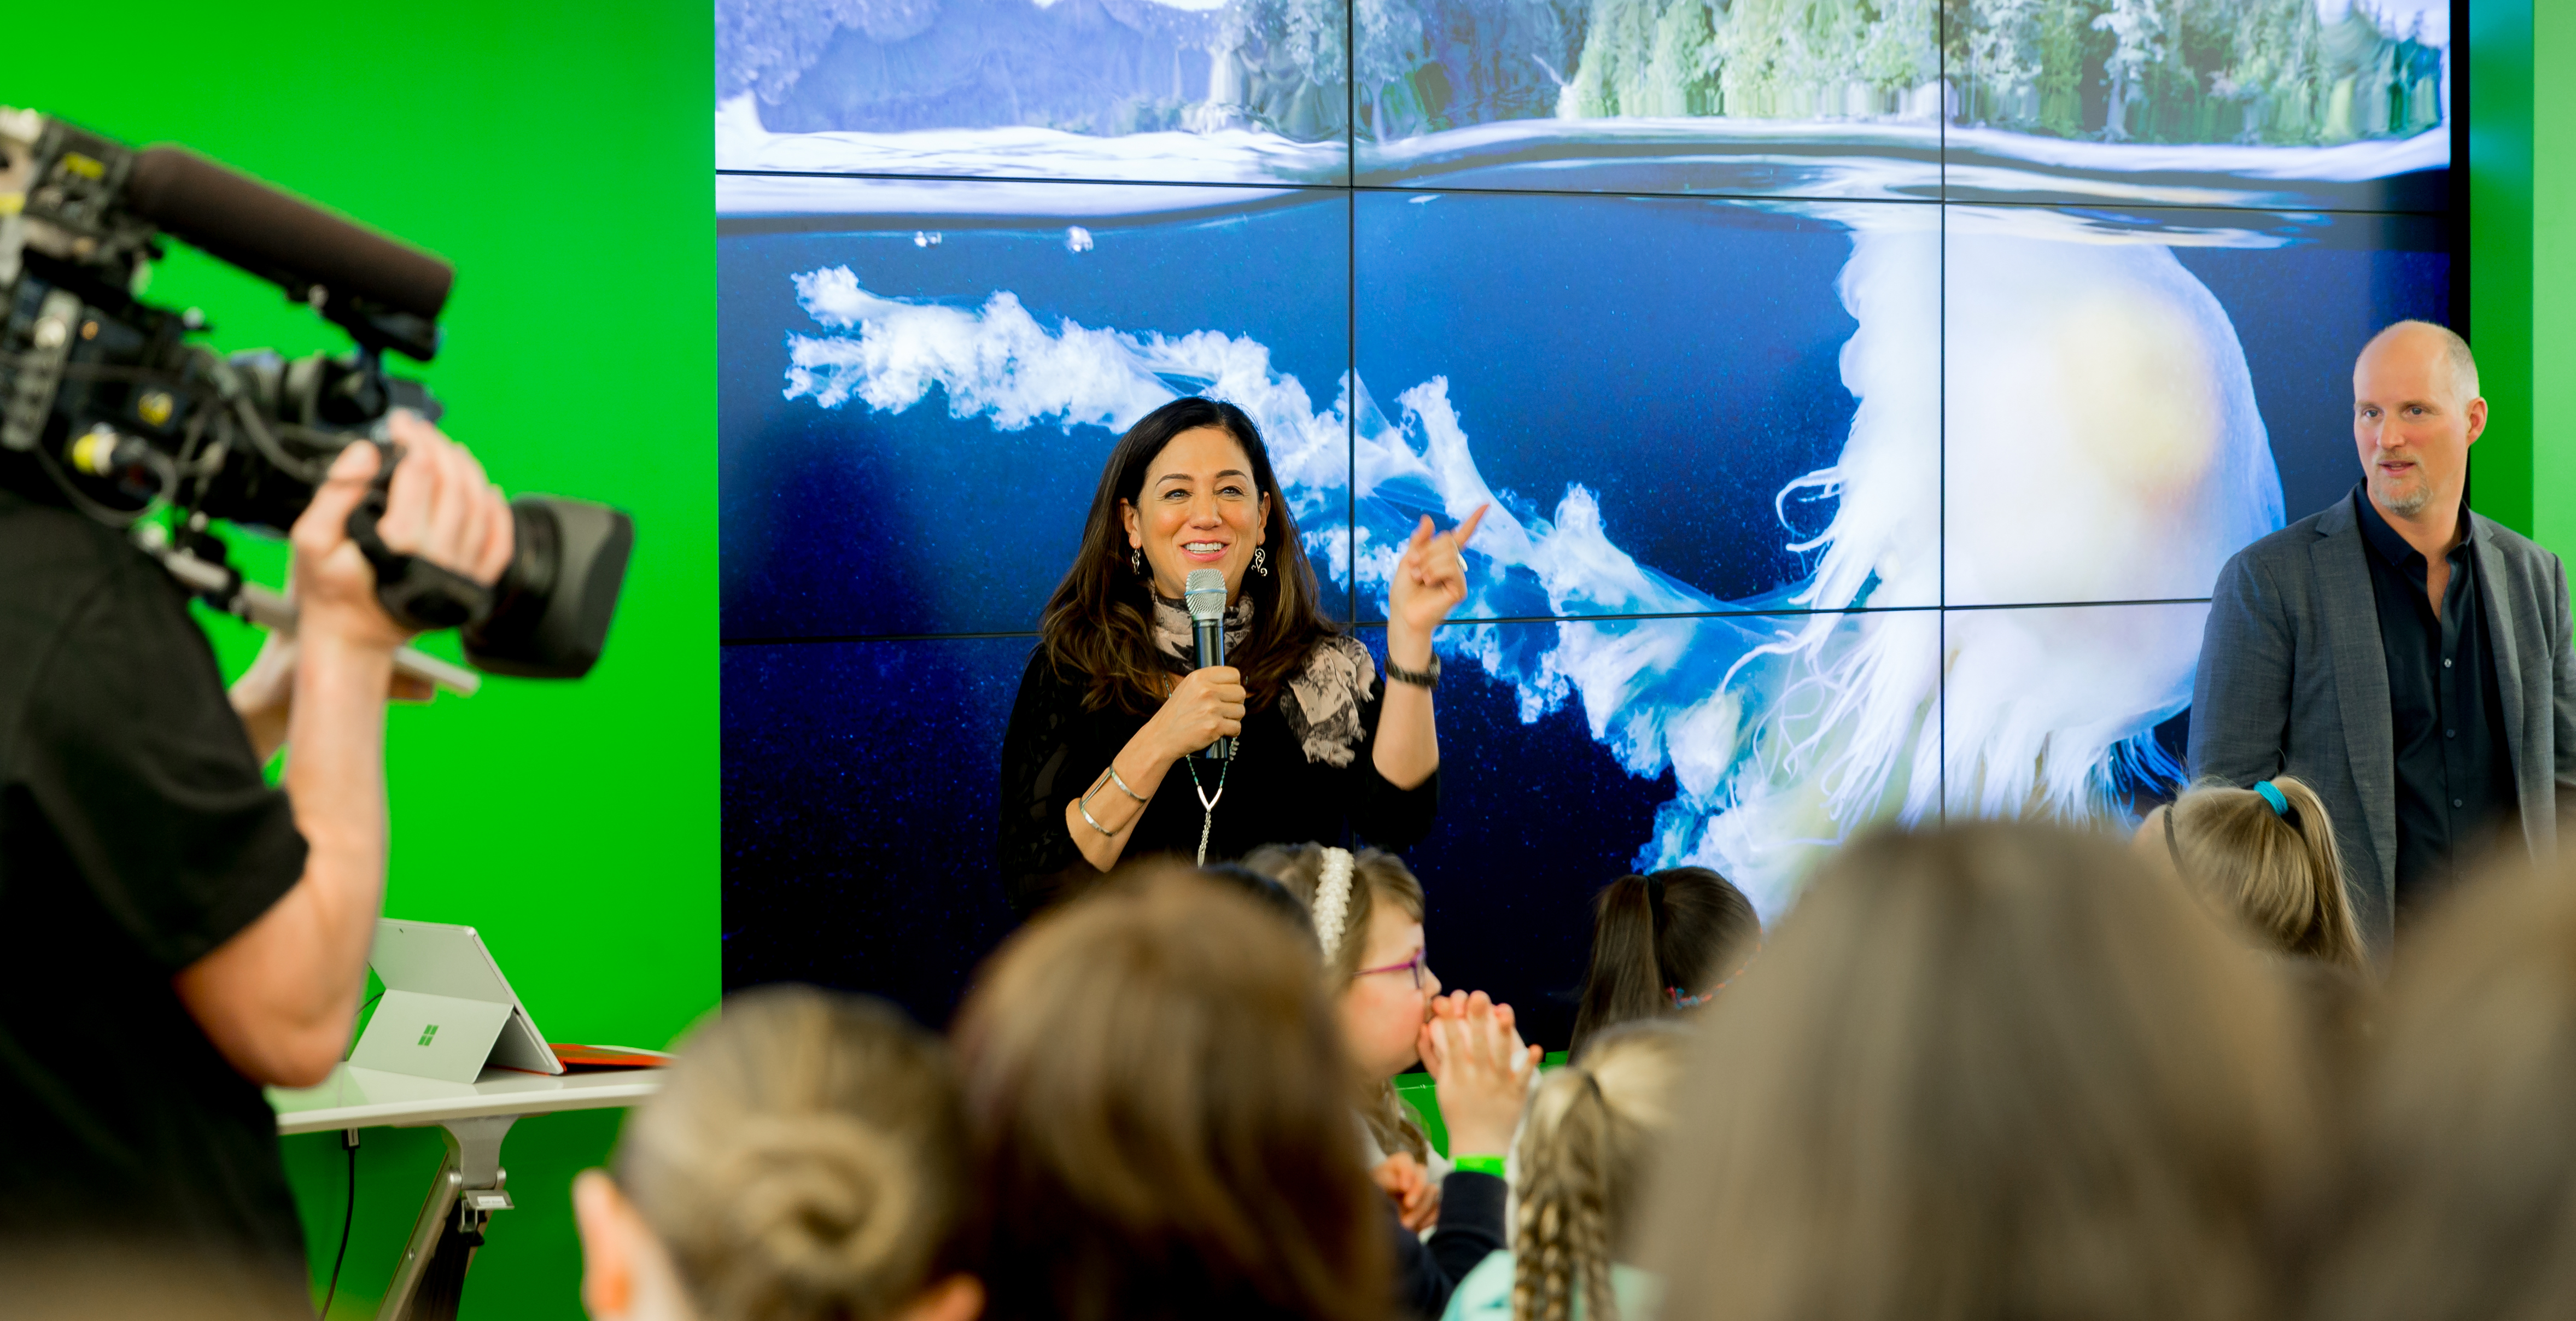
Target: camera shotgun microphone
x=1204, y=590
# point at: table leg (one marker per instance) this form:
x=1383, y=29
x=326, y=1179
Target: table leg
x=470, y=1186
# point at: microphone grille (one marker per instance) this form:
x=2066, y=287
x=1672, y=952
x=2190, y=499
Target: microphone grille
x=1204, y=590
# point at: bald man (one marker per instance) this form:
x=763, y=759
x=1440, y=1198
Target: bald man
x=2403, y=655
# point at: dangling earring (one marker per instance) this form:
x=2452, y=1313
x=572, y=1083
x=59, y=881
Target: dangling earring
x=1136, y=560
x=1261, y=561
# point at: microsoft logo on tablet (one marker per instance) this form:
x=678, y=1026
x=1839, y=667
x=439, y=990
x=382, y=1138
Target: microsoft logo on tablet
x=427, y=1033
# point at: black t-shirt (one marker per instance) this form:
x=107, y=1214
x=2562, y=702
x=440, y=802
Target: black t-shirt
x=136, y=835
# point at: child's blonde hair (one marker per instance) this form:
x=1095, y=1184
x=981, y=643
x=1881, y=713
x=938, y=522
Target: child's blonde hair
x=1582, y=1150
x=1375, y=876
x=805, y=1159
x=2277, y=871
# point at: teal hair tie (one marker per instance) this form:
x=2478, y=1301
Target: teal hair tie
x=2272, y=794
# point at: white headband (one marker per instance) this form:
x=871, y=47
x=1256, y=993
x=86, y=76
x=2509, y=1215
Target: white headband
x=1333, y=901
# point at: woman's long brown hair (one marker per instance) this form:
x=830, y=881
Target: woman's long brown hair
x=1160, y=1113
x=1098, y=627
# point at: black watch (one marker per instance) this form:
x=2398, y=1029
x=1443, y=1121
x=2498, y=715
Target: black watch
x=1429, y=678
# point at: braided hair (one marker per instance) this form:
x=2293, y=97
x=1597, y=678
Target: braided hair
x=1581, y=1152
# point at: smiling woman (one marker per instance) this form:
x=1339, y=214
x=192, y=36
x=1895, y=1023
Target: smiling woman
x=1102, y=759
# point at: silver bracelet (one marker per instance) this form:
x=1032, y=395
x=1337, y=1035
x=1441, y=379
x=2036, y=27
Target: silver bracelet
x=1083, y=805
x=1116, y=779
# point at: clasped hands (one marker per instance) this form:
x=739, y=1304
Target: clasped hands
x=1481, y=1072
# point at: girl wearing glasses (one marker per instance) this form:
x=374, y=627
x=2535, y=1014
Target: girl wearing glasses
x=1367, y=909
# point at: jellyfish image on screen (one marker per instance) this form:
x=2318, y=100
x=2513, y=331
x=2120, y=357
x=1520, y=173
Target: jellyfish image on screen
x=2102, y=445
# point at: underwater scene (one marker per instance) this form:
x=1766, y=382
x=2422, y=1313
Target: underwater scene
x=1864, y=422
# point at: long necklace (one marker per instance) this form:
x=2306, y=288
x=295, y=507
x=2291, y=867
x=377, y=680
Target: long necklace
x=1207, y=801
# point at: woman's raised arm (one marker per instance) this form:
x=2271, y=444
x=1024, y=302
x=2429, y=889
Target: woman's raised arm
x=1429, y=582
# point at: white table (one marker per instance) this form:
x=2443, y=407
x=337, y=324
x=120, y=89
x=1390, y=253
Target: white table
x=474, y=1117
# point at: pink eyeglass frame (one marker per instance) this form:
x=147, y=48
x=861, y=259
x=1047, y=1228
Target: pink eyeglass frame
x=1420, y=963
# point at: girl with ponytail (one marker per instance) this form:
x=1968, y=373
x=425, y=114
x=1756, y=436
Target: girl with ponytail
x=1661, y=944
x=804, y=1161
x=1582, y=1152
x=2266, y=856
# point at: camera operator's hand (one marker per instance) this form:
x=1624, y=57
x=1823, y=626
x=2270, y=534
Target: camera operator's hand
x=440, y=508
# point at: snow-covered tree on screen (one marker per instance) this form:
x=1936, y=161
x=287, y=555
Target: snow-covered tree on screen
x=763, y=46
x=2267, y=72
x=2139, y=28
x=1645, y=58
x=2003, y=57
x=1305, y=91
x=1386, y=47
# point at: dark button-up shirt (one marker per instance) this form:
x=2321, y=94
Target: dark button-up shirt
x=2455, y=787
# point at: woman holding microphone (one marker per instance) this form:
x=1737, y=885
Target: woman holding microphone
x=1101, y=760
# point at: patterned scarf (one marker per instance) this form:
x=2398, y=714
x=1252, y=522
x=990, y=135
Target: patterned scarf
x=1178, y=638
x=1325, y=697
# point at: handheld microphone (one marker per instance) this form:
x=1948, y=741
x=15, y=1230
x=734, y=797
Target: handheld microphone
x=1204, y=590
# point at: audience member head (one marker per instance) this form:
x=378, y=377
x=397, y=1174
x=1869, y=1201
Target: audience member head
x=2415, y=412
x=1367, y=913
x=1161, y=1117
x=805, y=1158
x=1661, y=944
x=1583, y=1150
x=2271, y=866
x=2460, y=1201
x=1991, y=1070
x=1271, y=893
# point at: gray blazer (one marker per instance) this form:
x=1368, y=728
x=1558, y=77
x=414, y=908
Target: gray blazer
x=2293, y=680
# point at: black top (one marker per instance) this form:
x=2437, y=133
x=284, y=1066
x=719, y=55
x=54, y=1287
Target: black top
x=1471, y=1229
x=2455, y=784
x=136, y=835
x=1283, y=787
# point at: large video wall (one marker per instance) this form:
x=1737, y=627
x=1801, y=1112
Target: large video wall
x=1868, y=392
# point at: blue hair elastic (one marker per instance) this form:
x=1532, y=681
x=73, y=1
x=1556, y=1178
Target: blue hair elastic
x=2272, y=794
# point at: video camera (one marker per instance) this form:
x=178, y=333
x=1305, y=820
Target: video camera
x=105, y=395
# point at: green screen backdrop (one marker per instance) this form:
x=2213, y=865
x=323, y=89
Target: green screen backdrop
x=560, y=157
x=2551, y=232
